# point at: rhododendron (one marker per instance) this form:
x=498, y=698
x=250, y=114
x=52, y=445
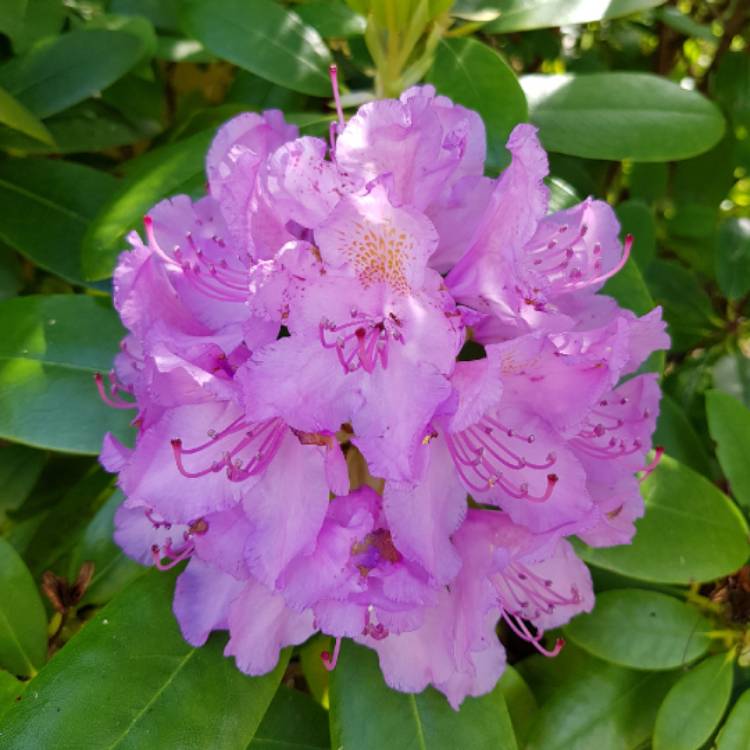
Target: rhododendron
x=309, y=431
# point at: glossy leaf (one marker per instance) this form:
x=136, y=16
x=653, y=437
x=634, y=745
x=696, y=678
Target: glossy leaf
x=16, y=116
x=691, y=531
x=733, y=257
x=694, y=706
x=729, y=424
x=629, y=289
x=264, y=38
x=161, y=172
x=294, y=721
x=473, y=74
x=366, y=714
x=69, y=69
x=23, y=623
x=47, y=206
x=605, y=706
x=736, y=729
x=621, y=116
x=732, y=86
x=27, y=21
x=522, y=15
x=49, y=353
x=148, y=686
x=661, y=632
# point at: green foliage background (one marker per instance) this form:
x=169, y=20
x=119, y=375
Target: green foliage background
x=106, y=106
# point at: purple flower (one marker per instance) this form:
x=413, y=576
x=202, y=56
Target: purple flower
x=308, y=433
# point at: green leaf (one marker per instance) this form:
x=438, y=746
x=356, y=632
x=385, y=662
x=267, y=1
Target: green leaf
x=294, y=721
x=19, y=469
x=621, y=116
x=562, y=194
x=151, y=177
x=66, y=70
x=522, y=15
x=10, y=689
x=731, y=374
x=629, y=289
x=677, y=435
x=736, y=729
x=366, y=714
x=684, y=24
x=729, y=425
x=23, y=623
x=50, y=350
x=16, y=116
x=47, y=206
x=604, y=706
x=691, y=532
x=733, y=257
x=264, y=38
x=89, y=126
x=687, y=307
x=636, y=219
x=332, y=18
x=28, y=21
x=129, y=680
x=732, y=86
x=694, y=706
x=520, y=701
x=113, y=569
x=648, y=181
x=661, y=632
x=473, y=74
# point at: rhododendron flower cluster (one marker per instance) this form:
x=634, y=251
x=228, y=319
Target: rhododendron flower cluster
x=375, y=391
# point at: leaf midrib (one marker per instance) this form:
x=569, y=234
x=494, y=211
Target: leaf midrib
x=154, y=698
x=44, y=201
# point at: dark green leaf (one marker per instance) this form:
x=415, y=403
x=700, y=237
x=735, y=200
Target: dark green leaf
x=153, y=176
x=687, y=307
x=368, y=715
x=547, y=676
x=731, y=374
x=729, y=423
x=636, y=219
x=10, y=272
x=28, y=21
x=736, y=730
x=89, y=126
x=163, y=14
x=69, y=69
x=684, y=24
x=677, y=435
x=51, y=349
x=129, y=680
x=648, y=181
x=19, y=469
x=732, y=86
x=64, y=522
x=113, y=569
x=47, y=206
x=661, y=632
x=294, y=721
x=733, y=257
x=23, y=623
x=521, y=15
x=604, y=706
x=265, y=39
x=694, y=706
x=691, y=532
x=621, y=116
x=473, y=74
